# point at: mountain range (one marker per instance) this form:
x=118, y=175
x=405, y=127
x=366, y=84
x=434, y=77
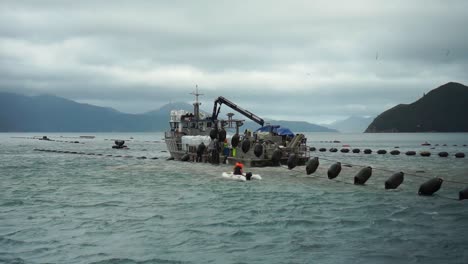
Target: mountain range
x=443, y=109
x=48, y=113
x=353, y=124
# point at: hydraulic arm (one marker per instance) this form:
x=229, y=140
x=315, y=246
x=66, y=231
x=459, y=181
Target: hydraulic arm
x=221, y=100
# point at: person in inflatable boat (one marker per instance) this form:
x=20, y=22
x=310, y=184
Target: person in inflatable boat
x=238, y=170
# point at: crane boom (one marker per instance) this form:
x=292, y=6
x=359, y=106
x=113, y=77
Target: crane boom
x=221, y=100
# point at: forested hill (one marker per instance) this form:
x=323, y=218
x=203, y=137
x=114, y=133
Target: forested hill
x=444, y=109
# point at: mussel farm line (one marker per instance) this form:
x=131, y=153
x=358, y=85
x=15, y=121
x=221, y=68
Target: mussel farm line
x=427, y=188
x=394, y=152
x=92, y=154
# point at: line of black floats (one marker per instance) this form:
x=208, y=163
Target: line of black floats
x=93, y=154
x=427, y=188
x=45, y=138
x=442, y=154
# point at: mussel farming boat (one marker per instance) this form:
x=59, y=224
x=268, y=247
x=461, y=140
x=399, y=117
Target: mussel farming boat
x=199, y=137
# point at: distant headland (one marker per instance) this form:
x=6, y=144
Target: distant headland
x=444, y=109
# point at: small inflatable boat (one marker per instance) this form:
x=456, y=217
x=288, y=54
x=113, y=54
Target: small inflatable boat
x=231, y=176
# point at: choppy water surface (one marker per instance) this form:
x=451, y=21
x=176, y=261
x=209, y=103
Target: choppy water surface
x=77, y=208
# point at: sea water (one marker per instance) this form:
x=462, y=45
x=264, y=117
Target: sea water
x=84, y=208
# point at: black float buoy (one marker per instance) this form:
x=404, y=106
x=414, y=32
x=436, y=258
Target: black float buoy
x=362, y=176
x=410, y=153
x=170, y=158
x=312, y=165
x=356, y=150
x=425, y=153
x=463, y=194
x=395, y=152
x=395, y=180
x=344, y=150
x=258, y=150
x=312, y=149
x=235, y=141
x=245, y=145
x=430, y=187
x=222, y=135
x=443, y=154
x=381, y=151
x=334, y=170
x=292, y=161
x=333, y=150
x=322, y=149
x=214, y=133
x=460, y=155
x=367, y=151
x=119, y=143
x=276, y=157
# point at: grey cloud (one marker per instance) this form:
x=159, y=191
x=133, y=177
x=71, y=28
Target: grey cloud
x=299, y=59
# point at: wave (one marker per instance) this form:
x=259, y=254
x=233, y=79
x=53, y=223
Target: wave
x=12, y=260
x=10, y=242
x=132, y=261
x=101, y=204
x=13, y=203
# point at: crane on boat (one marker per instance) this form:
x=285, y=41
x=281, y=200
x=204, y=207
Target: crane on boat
x=222, y=100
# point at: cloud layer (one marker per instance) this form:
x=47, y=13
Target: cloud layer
x=298, y=60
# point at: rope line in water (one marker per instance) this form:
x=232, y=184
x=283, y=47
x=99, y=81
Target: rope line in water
x=445, y=197
x=292, y=169
x=392, y=171
x=336, y=180
x=316, y=176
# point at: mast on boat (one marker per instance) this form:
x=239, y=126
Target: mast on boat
x=196, y=105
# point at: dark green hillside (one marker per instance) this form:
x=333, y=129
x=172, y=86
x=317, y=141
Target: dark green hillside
x=444, y=109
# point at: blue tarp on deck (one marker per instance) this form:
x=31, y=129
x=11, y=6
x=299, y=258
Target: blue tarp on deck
x=268, y=128
x=282, y=131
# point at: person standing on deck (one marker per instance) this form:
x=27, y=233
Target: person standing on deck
x=200, y=150
x=225, y=150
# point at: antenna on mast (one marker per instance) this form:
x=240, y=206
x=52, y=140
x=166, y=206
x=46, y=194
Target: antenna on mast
x=196, y=94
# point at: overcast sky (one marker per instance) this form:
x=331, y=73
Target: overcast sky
x=293, y=60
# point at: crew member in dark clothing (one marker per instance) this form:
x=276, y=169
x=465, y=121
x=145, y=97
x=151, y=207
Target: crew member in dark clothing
x=200, y=150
